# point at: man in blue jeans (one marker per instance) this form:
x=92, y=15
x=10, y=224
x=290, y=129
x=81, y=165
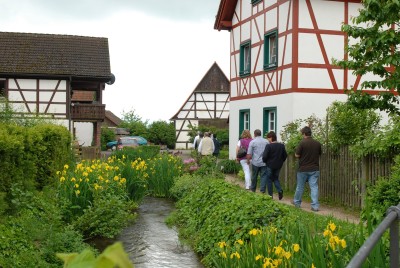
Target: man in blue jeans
x=258, y=167
x=308, y=152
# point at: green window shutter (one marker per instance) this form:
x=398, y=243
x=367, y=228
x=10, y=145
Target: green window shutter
x=245, y=59
x=244, y=120
x=271, y=50
x=253, y=2
x=269, y=120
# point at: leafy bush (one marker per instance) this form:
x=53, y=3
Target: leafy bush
x=208, y=167
x=218, y=211
x=32, y=155
x=107, y=217
x=184, y=184
x=19, y=165
x=291, y=135
x=113, y=256
x=161, y=132
x=163, y=170
x=349, y=125
x=32, y=238
x=107, y=135
x=224, y=153
x=143, y=152
x=229, y=166
x=384, y=194
x=384, y=142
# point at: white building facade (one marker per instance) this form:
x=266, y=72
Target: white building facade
x=281, y=55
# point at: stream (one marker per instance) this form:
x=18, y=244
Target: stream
x=149, y=242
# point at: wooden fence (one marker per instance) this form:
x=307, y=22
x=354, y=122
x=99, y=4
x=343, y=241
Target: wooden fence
x=343, y=178
x=87, y=153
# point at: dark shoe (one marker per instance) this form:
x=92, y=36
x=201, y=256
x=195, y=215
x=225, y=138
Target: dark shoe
x=315, y=209
x=280, y=195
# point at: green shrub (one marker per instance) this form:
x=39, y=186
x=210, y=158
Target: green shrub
x=184, y=184
x=218, y=211
x=162, y=132
x=382, y=195
x=208, y=167
x=16, y=164
x=107, y=135
x=113, y=256
x=223, y=154
x=52, y=151
x=106, y=217
x=228, y=166
x=144, y=152
x=32, y=238
x=162, y=172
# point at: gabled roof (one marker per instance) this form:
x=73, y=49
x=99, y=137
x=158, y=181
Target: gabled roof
x=113, y=118
x=223, y=19
x=214, y=81
x=31, y=54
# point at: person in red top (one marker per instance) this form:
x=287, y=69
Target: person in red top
x=244, y=142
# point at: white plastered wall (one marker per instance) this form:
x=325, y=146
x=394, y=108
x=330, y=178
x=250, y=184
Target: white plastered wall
x=289, y=107
x=84, y=133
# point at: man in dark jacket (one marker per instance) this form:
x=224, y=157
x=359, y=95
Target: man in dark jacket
x=274, y=156
x=308, y=152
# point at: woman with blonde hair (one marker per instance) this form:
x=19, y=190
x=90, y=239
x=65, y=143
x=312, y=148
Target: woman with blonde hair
x=244, y=141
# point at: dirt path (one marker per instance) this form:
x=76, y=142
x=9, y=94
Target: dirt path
x=336, y=212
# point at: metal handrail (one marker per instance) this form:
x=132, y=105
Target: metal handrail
x=390, y=221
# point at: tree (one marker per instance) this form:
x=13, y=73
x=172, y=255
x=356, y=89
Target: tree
x=106, y=136
x=375, y=52
x=161, y=132
x=349, y=125
x=134, y=123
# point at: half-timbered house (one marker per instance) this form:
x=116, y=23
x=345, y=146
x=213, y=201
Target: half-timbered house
x=207, y=105
x=59, y=77
x=281, y=60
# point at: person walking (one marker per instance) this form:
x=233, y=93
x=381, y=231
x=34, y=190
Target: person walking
x=274, y=156
x=206, y=146
x=217, y=145
x=244, y=142
x=258, y=167
x=308, y=152
x=197, y=140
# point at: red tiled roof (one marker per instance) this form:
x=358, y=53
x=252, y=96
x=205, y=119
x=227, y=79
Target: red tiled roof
x=54, y=55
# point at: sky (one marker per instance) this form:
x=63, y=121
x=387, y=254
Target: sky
x=159, y=49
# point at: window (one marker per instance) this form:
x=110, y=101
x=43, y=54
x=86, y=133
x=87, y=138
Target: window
x=269, y=120
x=244, y=120
x=245, y=59
x=2, y=88
x=253, y=2
x=271, y=50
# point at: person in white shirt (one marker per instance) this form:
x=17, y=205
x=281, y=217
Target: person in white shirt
x=206, y=146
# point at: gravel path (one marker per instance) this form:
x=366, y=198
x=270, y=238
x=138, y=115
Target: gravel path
x=336, y=212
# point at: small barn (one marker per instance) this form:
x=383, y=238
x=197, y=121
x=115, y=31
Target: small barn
x=207, y=105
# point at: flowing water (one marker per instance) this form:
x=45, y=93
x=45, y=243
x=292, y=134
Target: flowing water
x=151, y=243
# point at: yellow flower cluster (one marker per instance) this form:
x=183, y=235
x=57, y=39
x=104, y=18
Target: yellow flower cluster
x=334, y=242
x=95, y=174
x=275, y=255
x=140, y=165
